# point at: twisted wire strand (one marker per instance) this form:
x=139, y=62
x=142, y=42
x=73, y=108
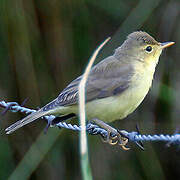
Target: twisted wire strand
x=94, y=129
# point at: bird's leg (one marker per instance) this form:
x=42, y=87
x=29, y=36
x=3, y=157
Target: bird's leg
x=62, y=118
x=57, y=120
x=113, y=137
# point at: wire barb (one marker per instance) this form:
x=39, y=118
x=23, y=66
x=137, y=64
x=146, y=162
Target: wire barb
x=93, y=129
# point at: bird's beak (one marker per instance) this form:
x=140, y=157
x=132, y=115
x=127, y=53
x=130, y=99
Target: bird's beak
x=166, y=44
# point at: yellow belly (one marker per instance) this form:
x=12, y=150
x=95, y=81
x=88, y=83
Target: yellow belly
x=116, y=107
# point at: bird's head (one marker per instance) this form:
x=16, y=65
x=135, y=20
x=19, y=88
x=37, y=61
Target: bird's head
x=142, y=47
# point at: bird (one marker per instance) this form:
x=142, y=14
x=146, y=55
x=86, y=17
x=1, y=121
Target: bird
x=115, y=87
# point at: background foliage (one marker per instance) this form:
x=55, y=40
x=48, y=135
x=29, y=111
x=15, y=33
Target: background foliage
x=46, y=44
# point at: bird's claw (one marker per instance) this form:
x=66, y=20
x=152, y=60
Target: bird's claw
x=122, y=142
x=116, y=139
x=123, y=134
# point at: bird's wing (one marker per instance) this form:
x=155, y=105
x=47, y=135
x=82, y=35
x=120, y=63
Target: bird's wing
x=108, y=78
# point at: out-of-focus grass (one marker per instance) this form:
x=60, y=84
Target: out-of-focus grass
x=85, y=165
x=35, y=155
x=5, y=156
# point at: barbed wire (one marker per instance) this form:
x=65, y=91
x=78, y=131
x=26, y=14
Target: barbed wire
x=95, y=129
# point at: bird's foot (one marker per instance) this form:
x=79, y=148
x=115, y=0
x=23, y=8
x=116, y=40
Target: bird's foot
x=117, y=138
x=113, y=137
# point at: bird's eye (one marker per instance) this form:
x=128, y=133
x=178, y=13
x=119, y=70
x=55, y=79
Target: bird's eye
x=149, y=49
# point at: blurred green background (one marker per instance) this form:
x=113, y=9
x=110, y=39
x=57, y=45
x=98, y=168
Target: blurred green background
x=44, y=44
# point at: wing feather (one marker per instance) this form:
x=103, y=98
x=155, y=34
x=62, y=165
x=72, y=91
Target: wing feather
x=110, y=77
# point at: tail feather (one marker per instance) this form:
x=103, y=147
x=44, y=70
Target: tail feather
x=28, y=119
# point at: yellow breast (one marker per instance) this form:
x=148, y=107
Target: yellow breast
x=118, y=107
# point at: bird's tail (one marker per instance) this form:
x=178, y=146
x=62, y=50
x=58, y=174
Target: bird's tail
x=28, y=119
